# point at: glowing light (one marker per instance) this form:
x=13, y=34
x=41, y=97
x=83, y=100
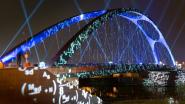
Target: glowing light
x=171, y=100
x=81, y=16
x=160, y=62
x=110, y=62
x=1, y=65
x=42, y=65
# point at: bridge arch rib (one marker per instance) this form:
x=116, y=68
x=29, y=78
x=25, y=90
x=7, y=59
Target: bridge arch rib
x=137, y=18
x=73, y=44
x=46, y=33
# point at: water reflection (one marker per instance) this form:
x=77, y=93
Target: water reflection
x=119, y=92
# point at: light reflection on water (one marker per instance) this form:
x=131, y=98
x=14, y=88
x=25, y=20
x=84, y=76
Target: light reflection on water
x=119, y=93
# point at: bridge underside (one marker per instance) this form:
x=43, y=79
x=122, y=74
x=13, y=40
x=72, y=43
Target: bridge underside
x=95, y=70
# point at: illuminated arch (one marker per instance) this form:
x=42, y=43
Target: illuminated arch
x=46, y=33
x=74, y=43
x=137, y=18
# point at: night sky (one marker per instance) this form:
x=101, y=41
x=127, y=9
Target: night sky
x=168, y=15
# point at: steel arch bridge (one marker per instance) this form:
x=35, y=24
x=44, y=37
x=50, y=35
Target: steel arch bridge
x=76, y=41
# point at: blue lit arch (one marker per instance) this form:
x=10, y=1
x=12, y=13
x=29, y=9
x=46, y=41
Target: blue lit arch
x=46, y=33
x=137, y=18
x=66, y=52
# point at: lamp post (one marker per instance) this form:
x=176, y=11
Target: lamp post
x=27, y=63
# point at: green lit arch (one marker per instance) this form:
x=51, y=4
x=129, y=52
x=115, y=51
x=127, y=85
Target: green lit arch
x=75, y=42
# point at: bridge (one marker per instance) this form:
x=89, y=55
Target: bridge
x=150, y=39
x=118, y=43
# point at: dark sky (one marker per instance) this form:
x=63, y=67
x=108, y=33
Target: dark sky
x=168, y=15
